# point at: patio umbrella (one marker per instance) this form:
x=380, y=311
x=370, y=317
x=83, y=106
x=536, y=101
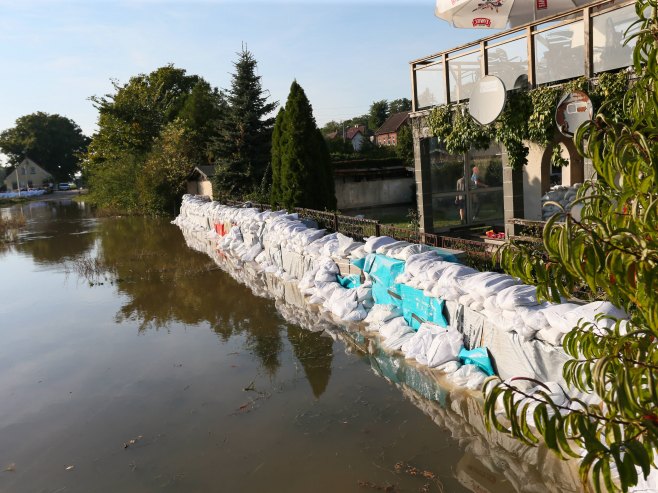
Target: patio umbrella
x=497, y=14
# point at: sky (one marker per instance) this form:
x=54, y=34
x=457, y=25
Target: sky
x=55, y=54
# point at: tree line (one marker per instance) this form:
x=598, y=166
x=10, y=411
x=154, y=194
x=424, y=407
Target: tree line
x=154, y=129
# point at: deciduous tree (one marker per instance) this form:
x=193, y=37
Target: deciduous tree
x=52, y=141
x=607, y=246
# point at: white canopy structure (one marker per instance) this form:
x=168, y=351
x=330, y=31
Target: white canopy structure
x=499, y=14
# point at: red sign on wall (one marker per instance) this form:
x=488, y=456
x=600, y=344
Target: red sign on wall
x=542, y=4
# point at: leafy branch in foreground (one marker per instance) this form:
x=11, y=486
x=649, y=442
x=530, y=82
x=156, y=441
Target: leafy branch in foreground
x=607, y=243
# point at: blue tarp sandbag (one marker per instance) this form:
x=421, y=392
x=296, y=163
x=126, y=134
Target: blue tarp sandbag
x=359, y=263
x=350, y=281
x=418, y=308
x=479, y=357
x=383, y=270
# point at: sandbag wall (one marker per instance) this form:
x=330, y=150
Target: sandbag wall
x=442, y=314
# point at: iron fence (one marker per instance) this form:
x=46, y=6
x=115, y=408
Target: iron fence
x=475, y=253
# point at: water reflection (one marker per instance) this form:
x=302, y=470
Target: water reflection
x=49, y=241
x=161, y=281
x=491, y=461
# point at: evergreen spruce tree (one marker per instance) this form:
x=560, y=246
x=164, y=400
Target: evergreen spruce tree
x=242, y=148
x=277, y=135
x=305, y=174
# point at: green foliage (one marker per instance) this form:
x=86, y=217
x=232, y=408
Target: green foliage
x=528, y=116
x=399, y=105
x=606, y=247
x=54, y=142
x=242, y=146
x=404, y=147
x=278, y=138
x=378, y=114
x=152, y=131
x=162, y=180
x=301, y=168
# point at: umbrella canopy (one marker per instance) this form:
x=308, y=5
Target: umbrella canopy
x=497, y=14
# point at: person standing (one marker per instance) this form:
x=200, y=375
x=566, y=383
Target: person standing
x=476, y=182
x=459, y=199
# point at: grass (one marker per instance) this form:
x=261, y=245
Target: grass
x=14, y=201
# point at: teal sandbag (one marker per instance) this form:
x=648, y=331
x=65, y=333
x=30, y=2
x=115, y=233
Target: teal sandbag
x=359, y=262
x=350, y=281
x=479, y=357
x=383, y=271
x=418, y=308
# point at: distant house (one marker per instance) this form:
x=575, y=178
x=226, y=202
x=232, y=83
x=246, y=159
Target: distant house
x=387, y=134
x=354, y=135
x=27, y=174
x=199, y=182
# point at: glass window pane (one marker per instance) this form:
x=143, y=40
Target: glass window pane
x=560, y=53
x=608, y=39
x=509, y=61
x=489, y=164
x=487, y=205
x=430, y=86
x=445, y=169
x=445, y=210
x=464, y=72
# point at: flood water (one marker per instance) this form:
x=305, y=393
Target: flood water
x=131, y=362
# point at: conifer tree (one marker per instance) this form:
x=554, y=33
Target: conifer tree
x=277, y=134
x=305, y=174
x=242, y=148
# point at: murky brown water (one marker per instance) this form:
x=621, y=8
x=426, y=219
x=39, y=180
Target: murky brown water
x=114, y=330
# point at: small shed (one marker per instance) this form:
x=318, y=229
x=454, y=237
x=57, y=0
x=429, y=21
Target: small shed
x=199, y=182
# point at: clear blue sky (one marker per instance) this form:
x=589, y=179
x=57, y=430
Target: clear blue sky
x=345, y=54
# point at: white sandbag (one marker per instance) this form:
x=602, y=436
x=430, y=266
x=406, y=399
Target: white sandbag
x=346, y=245
x=383, y=313
x=451, y=274
x=551, y=336
x=412, y=249
x=356, y=315
x=514, y=296
x=449, y=367
x=252, y=253
x=374, y=242
x=468, y=376
x=385, y=249
x=416, y=347
x=487, y=284
x=393, y=326
x=445, y=347
x=591, y=311
x=358, y=253
x=533, y=316
x=395, y=342
x=403, y=278
x=556, y=316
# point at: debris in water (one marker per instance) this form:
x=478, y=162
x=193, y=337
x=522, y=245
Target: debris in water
x=132, y=441
x=387, y=487
x=68, y=468
x=11, y=467
x=250, y=387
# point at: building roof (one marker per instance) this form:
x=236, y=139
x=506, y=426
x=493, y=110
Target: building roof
x=393, y=123
x=351, y=132
x=207, y=171
x=331, y=135
x=24, y=164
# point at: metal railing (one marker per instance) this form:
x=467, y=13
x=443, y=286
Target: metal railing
x=476, y=253
x=580, y=42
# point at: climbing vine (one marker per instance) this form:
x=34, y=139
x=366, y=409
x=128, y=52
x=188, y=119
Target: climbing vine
x=528, y=116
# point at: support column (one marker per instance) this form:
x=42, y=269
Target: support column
x=512, y=194
x=422, y=177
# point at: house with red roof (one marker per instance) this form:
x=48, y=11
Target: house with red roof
x=387, y=134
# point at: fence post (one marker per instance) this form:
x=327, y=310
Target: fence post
x=335, y=222
x=378, y=229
